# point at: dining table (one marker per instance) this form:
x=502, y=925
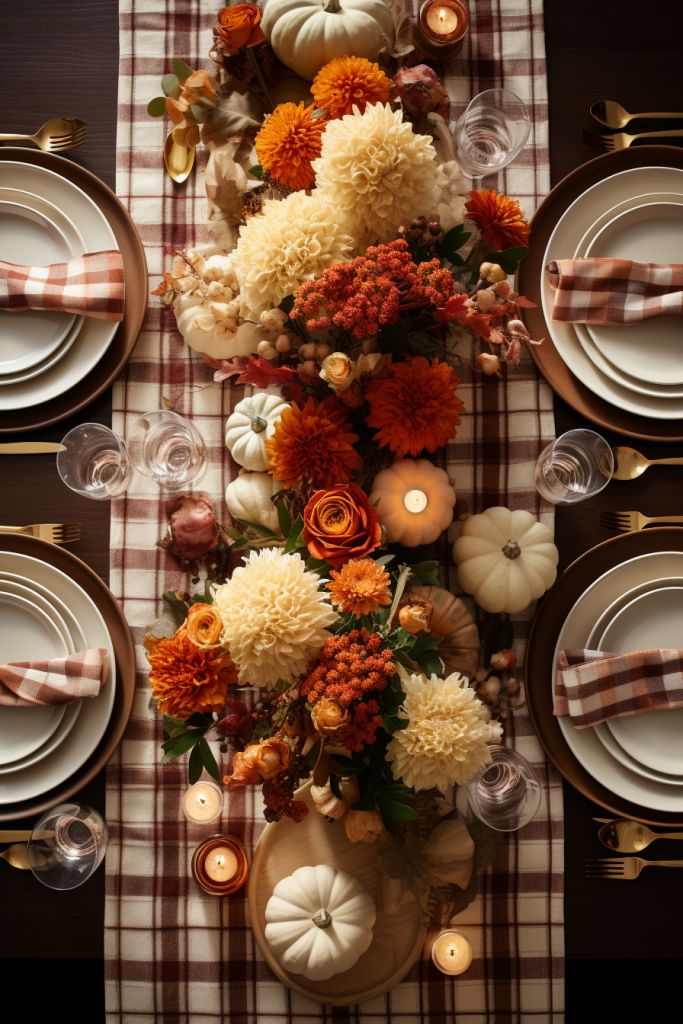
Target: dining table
x=623, y=942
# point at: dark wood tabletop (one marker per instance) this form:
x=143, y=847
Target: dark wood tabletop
x=623, y=941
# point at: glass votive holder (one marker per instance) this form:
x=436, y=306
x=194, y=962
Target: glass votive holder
x=491, y=132
x=575, y=466
x=168, y=448
x=452, y=952
x=220, y=865
x=95, y=463
x=202, y=804
x=441, y=28
x=506, y=793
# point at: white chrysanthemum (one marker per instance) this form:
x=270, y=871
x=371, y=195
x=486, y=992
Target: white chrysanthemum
x=445, y=741
x=377, y=171
x=291, y=241
x=274, y=617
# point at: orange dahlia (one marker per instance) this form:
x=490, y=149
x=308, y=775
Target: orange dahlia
x=360, y=587
x=499, y=218
x=186, y=679
x=347, y=82
x=291, y=137
x=312, y=446
x=414, y=407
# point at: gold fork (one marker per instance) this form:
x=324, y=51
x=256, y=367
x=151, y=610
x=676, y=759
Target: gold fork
x=629, y=522
x=56, y=135
x=56, y=533
x=625, y=867
x=622, y=140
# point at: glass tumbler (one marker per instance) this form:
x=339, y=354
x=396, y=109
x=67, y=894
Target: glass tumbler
x=96, y=463
x=168, y=448
x=576, y=466
x=490, y=133
x=506, y=793
x=67, y=846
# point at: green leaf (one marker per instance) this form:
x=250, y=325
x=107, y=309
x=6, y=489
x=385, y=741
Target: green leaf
x=196, y=765
x=508, y=259
x=392, y=723
x=256, y=171
x=262, y=530
x=180, y=744
x=456, y=237
x=294, y=539
x=430, y=663
x=396, y=809
x=385, y=559
x=170, y=86
x=425, y=573
x=315, y=564
x=199, y=112
x=284, y=518
x=454, y=258
x=238, y=537
x=181, y=69
x=176, y=606
x=157, y=106
x=208, y=760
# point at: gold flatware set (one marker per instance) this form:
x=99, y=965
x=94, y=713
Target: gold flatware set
x=624, y=836
x=56, y=533
x=629, y=464
x=56, y=136
x=610, y=114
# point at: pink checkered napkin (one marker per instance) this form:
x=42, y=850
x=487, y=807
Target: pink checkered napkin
x=611, y=291
x=90, y=285
x=593, y=686
x=56, y=681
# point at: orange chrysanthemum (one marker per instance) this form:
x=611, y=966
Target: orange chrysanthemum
x=360, y=587
x=186, y=679
x=347, y=82
x=291, y=137
x=499, y=218
x=414, y=407
x=312, y=446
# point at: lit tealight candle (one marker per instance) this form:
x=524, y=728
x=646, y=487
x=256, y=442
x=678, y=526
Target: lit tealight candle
x=415, y=501
x=441, y=28
x=221, y=864
x=203, y=803
x=442, y=20
x=452, y=952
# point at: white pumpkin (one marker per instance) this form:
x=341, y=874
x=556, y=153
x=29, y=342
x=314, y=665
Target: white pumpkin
x=319, y=921
x=249, y=495
x=506, y=559
x=307, y=34
x=250, y=425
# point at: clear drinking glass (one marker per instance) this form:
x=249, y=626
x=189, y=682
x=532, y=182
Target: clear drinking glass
x=576, y=466
x=505, y=794
x=490, y=132
x=67, y=846
x=96, y=462
x=168, y=448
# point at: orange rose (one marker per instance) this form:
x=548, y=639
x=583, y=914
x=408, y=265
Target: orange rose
x=239, y=27
x=257, y=763
x=204, y=625
x=340, y=524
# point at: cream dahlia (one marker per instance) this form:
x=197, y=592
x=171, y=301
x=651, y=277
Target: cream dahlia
x=377, y=172
x=445, y=741
x=291, y=241
x=274, y=617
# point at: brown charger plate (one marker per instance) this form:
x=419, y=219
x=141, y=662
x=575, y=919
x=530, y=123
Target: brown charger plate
x=546, y=356
x=135, y=265
x=541, y=649
x=124, y=652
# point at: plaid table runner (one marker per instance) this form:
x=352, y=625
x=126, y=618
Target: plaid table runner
x=174, y=954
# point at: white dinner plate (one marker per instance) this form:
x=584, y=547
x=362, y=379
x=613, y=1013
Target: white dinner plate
x=96, y=335
x=577, y=627
x=93, y=719
x=571, y=227
x=30, y=237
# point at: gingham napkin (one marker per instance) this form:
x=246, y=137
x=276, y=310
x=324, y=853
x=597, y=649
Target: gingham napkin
x=26, y=684
x=90, y=285
x=593, y=686
x=611, y=291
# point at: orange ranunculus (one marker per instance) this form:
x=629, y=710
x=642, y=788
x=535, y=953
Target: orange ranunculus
x=340, y=523
x=257, y=763
x=239, y=27
x=204, y=625
x=185, y=679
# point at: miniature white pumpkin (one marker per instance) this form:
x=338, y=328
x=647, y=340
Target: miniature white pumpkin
x=414, y=501
x=247, y=429
x=506, y=559
x=307, y=34
x=319, y=921
x=248, y=497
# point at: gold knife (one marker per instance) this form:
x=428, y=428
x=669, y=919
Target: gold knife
x=14, y=835
x=30, y=447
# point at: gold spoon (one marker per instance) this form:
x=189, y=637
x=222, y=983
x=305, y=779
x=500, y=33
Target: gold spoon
x=612, y=115
x=178, y=160
x=630, y=464
x=16, y=855
x=630, y=836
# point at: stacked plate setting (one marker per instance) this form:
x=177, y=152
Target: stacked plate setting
x=44, y=614
x=636, y=214
x=638, y=605
x=46, y=219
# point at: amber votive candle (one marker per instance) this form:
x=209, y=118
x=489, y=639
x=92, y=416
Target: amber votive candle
x=220, y=865
x=442, y=27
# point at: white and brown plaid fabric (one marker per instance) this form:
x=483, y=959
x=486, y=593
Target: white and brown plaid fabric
x=90, y=285
x=173, y=953
x=24, y=684
x=594, y=686
x=611, y=291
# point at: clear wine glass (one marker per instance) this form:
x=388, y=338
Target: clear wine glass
x=168, y=448
x=67, y=846
x=95, y=463
x=506, y=793
x=575, y=466
x=491, y=132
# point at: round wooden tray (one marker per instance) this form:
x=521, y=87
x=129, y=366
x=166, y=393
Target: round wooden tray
x=540, y=652
x=397, y=940
x=124, y=652
x=546, y=356
x=135, y=269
